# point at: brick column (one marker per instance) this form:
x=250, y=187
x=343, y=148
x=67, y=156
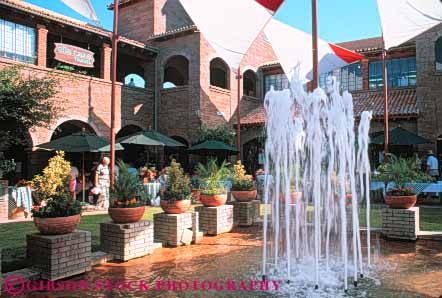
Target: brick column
x=365, y=74
x=4, y=201
x=42, y=44
x=105, y=64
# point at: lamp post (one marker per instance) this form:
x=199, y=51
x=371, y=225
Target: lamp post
x=315, y=81
x=113, y=94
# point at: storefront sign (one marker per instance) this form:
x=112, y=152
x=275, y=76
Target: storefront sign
x=73, y=55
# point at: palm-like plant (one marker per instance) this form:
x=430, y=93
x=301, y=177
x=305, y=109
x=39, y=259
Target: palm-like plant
x=127, y=189
x=401, y=171
x=212, y=176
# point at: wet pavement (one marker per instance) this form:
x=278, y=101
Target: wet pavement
x=228, y=265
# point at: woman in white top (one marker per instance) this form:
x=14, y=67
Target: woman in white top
x=102, y=181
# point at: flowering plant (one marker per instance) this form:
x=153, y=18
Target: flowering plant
x=241, y=181
x=178, y=184
x=54, y=180
x=149, y=173
x=57, y=206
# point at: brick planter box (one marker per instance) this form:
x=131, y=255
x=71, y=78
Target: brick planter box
x=400, y=223
x=215, y=220
x=127, y=241
x=60, y=256
x=176, y=229
x=246, y=213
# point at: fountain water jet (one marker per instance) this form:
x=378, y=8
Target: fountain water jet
x=311, y=221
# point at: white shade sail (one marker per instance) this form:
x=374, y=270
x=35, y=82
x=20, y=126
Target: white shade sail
x=293, y=48
x=83, y=7
x=403, y=20
x=231, y=26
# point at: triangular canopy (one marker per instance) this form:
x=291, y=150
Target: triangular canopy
x=214, y=147
x=399, y=136
x=403, y=20
x=150, y=138
x=80, y=142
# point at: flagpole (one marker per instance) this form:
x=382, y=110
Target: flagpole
x=238, y=113
x=386, y=116
x=315, y=81
x=113, y=94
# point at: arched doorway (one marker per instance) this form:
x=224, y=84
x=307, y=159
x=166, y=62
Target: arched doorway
x=20, y=151
x=91, y=159
x=219, y=73
x=132, y=154
x=249, y=83
x=179, y=153
x=176, y=72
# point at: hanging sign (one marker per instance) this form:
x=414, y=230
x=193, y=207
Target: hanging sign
x=73, y=55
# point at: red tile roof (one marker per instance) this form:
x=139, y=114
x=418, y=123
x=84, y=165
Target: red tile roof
x=402, y=102
x=363, y=45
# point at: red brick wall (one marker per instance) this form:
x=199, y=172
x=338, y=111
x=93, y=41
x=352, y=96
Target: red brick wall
x=88, y=99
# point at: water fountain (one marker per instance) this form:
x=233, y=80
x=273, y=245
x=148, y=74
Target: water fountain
x=318, y=173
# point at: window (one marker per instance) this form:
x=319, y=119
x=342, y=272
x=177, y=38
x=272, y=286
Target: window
x=249, y=83
x=438, y=54
x=278, y=81
x=400, y=72
x=219, y=73
x=349, y=77
x=17, y=42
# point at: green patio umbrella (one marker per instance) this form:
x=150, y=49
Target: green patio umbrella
x=398, y=136
x=80, y=142
x=212, y=147
x=150, y=138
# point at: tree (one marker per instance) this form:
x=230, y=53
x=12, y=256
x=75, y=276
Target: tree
x=25, y=102
x=221, y=133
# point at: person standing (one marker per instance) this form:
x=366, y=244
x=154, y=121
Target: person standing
x=432, y=165
x=73, y=183
x=102, y=181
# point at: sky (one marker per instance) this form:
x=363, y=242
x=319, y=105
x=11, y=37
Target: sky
x=339, y=20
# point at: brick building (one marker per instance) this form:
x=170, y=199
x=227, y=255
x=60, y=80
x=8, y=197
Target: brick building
x=186, y=85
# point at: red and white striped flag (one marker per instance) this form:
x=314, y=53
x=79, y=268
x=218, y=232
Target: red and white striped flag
x=231, y=26
x=293, y=48
x=403, y=20
x=83, y=7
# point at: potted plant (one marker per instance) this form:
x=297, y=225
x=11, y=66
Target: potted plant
x=56, y=214
x=243, y=186
x=176, y=198
x=399, y=172
x=126, y=205
x=212, y=177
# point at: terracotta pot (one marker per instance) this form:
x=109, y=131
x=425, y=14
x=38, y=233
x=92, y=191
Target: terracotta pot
x=126, y=215
x=244, y=196
x=175, y=207
x=400, y=202
x=213, y=200
x=294, y=196
x=57, y=225
x=196, y=194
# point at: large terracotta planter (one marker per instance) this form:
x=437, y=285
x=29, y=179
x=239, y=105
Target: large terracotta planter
x=401, y=202
x=126, y=215
x=175, y=207
x=57, y=225
x=213, y=200
x=244, y=196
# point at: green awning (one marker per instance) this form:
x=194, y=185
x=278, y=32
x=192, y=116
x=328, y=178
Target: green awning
x=212, y=147
x=150, y=138
x=398, y=136
x=80, y=142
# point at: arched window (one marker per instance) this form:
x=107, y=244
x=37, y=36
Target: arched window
x=176, y=72
x=69, y=127
x=134, y=80
x=249, y=83
x=219, y=73
x=438, y=54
